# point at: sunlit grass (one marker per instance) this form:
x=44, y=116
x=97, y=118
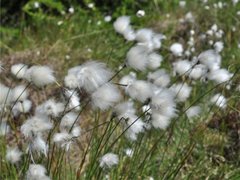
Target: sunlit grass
x=189, y=149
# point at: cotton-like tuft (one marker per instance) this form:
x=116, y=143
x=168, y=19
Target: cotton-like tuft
x=189, y=17
x=219, y=100
x=124, y=109
x=157, y=41
x=91, y=75
x=193, y=111
x=163, y=103
x=63, y=139
x=13, y=155
x=182, y=91
x=140, y=90
x=154, y=60
x=176, y=49
x=220, y=75
x=134, y=126
x=22, y=107
x=5, y=94
x=4, y=128
x=182, y=67
x=39, y=145
x=36, y=125
x=211, y=59
x=50, y=108
x=73, y=99
x=144, y=35
x=198, y=71
x=137, y=58
x=36, y=172
x=105, y=96
x=19, y=93
x=129, y=34
x=76, y=131
x=121, y=24
x=71, y=81
x=19, y=70
x=159, y=78
x=108, y=160
x=40, y=75
x=68, y=119
x=128, y=79
x=160, y=121
x=129, y=152
x=218, y=46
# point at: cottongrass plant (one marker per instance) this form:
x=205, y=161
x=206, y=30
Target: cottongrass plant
x=127, y=122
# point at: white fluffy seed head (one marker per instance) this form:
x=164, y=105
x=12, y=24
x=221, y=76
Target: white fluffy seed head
x=36, y=172
x=211, y=59
x=128, y=79
x=22, y=107
x=159, y=78
x=137, y=58
x=105, y=96
x=121, y=24
x=109, y=160
x=193, y=111
x=39, y=145
x=50, y=108
x=140, y=13
x=91, y=75
x=144, y=35
x=71, y=81
x=62, y=137
x=19, y=93
x=182, y=91
x=5, y=94
x=13, y=155
x=154, y=60
x=163, y=103
x=76, y=131
x=157, y=40
x=218, y=46
x=40, y=75
x=182, y=67
x=135, y=126
x=129, y=152
x=160, y=121
x=198, y=71
x=4, y=128
x=219, y=75
x=140, y=90
x=19, y=70
x=176, y=49
x=129, y=34
x=73, y=99
x=68, y=119
x=36, y=125
x=189, y=17
x=124, y=109
x=219, y=100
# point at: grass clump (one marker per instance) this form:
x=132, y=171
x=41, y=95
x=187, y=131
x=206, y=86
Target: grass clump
x=156, y=100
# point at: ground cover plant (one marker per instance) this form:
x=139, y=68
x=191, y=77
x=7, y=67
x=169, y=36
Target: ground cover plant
x=120, y=90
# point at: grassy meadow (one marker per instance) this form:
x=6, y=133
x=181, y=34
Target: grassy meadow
x=206, y=146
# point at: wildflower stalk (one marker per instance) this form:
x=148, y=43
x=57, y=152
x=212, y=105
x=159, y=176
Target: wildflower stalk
x=112, y=144
x=181, y=164
x=79, y=170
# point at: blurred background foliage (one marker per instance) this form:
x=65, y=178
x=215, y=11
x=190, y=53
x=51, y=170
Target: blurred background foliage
x=13, y=11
